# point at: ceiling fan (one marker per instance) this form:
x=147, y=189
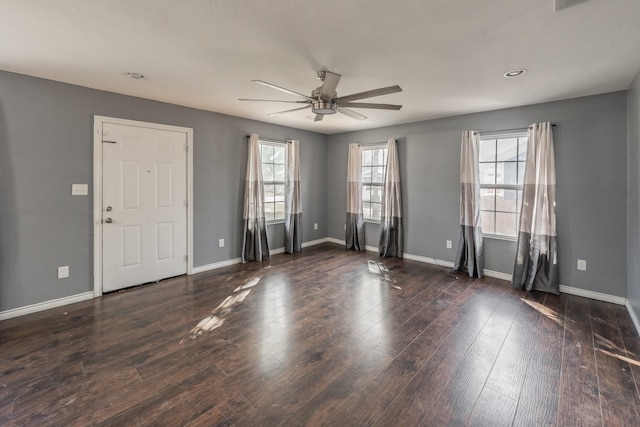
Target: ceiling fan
x=324, y=99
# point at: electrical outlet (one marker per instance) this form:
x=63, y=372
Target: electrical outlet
x=63, y=272
x=315, y=226
x=582, y=265
x=221, y=243
x=345, y=227
x=449, y=244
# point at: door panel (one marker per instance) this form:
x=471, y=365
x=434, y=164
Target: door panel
x=144, y=190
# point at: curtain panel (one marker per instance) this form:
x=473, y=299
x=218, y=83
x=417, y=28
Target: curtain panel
x=391, y=241
x=354, y=233
x=536, y=266
x=293, y=208
x=254, y=246
x=470, y=255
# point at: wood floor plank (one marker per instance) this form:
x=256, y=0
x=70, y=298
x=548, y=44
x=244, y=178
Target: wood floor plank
x=322, y=337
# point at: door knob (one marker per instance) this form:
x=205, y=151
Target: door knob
x=108, y=220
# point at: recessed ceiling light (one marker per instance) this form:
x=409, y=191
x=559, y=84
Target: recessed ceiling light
x=515, y=73
x=135, y=76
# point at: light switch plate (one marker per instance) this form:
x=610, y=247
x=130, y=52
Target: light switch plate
x=221, y=243
x=449, y=244
x=582, y=265
x=79, y=189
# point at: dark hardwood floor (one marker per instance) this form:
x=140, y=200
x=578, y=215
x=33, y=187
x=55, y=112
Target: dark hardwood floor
x=325, y=337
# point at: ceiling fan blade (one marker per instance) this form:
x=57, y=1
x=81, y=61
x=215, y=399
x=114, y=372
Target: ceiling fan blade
x=318, y=117
x=368, y=94
x=329, y=84
x=370, y=105
x=351, y=113
x=272, y=100
x=281, y=89
x=288, y=111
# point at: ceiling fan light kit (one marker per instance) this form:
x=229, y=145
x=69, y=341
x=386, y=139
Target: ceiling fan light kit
x=325, y=100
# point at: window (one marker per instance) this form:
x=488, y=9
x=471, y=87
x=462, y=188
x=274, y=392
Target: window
x=274, y=166
x=374, y=161
x=501, y=163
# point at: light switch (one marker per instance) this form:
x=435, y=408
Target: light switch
x=221, y=243
x=79, y=189
x=63, y=272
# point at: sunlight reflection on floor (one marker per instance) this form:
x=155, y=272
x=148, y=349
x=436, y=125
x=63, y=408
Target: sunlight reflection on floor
x=214, y=321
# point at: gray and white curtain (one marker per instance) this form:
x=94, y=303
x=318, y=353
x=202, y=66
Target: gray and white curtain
x=470, y=256
x=354, y=234
x=536, y=266
x=293, y=209
x=390, y=244
x=255, y=246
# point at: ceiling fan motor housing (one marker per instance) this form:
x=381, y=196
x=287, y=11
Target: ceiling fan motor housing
x=322, y=107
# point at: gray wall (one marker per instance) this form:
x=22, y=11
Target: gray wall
x=46, y=144
x=591, y=149
x=633, y=197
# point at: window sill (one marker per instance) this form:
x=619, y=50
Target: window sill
x=372, y=221
x=280, y=221
x=499, y=237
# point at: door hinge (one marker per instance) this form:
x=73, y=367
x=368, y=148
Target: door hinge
x=186, y=147
x=186, y=258
x=186, y=203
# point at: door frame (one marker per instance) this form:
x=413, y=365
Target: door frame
x=98, y=122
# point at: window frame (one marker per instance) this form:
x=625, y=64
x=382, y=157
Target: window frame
x=371, y=147
x=282, y=145
x=518, y=187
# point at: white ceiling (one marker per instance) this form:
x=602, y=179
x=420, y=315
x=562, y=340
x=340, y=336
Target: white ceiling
x=447, y=55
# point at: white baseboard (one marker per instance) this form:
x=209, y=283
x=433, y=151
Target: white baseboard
x=46, y=305
x=633, y=316
x=593, y=295
x=215, y=265
x=336, y=241
x=315, y=242
x=220, y=264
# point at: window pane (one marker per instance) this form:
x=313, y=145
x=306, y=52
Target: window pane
x=507, y=149
x=522, y=148
x=376, y=194
x=267, y=153
x=279, y=192
x=506, y=200
x=519, y=203
x=269, y=212
x=487, y=219
x=279, y=155
x=487, y=198
x=267, y=172
x=375, y=211
x=279, y=210
x=366, y=193
x=367, y=172
x=507, y=173
x=268, y=193
x=487, y=152
x=487, y=173
x=521, y=166
x=366, y=210
x=278, y=173
x=367, y=157
x=506, y=224
x=378, y=174
x=378, y=157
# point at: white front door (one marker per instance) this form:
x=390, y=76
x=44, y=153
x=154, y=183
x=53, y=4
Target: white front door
x=144, y=205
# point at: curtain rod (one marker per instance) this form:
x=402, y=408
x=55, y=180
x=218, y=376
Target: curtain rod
x=489, y=132
x=269, y=139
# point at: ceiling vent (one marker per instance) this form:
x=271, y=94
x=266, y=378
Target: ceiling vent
x=563, y=4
